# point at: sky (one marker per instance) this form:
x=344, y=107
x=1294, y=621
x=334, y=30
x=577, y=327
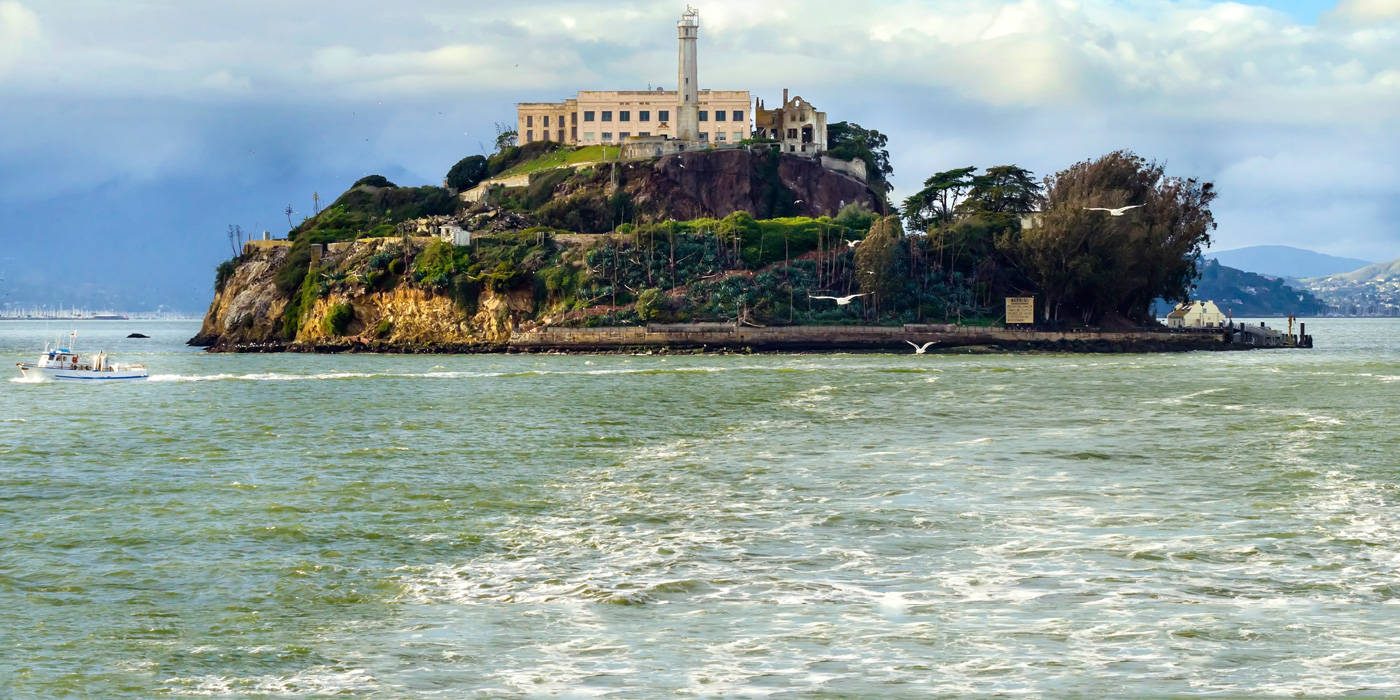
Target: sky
x=133, y=134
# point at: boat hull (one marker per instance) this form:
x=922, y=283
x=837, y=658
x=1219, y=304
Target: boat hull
x=55, y=373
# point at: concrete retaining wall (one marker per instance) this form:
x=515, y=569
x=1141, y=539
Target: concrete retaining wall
x=799, y=338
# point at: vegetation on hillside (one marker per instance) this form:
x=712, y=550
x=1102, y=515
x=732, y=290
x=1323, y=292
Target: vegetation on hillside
x=1085, y=266
x=1243, y=293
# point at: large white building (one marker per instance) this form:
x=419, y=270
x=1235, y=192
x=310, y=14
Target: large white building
x=687, y=113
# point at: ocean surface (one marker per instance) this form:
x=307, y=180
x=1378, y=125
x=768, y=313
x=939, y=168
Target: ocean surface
x=713, y=526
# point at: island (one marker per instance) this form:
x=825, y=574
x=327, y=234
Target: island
x=699, y=219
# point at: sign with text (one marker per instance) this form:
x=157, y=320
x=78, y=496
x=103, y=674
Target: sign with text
x=1020, y=310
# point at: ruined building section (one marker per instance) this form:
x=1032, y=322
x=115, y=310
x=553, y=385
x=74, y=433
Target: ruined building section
x=796, y=125
x=687, y=77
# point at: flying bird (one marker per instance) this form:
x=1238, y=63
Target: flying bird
x=840, y=301
x=1115, y=212
x=921, y=349
x=852, y=244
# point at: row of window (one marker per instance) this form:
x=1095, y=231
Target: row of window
x=662, y=115
x=644, y=115
x=607, y=136
x=530, y=120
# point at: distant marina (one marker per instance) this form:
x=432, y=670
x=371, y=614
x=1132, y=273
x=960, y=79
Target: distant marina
x=74, y=313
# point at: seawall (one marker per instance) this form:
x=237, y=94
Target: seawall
x=717, y=337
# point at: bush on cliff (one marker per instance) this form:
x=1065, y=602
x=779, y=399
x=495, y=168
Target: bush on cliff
x=366, y=211
x=293, y=270
x=373, y=181
x=338, y=319
x=467, y=173
x=224, y=273
x=435, y=266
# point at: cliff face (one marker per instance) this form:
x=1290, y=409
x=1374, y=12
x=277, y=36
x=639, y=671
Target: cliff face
x=529, y=262
x=248, y=308
x=715, y=183
x=248, y=312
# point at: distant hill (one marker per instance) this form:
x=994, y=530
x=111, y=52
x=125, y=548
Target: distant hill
x=1284, y=261
x=1241, y=294
x=1371, y=291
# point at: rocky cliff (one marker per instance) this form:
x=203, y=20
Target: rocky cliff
x=354, y=277
x=385, y=309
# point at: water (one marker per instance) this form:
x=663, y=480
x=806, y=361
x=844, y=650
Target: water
x=789, y=526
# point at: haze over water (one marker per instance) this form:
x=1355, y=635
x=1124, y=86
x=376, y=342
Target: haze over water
x=629, y=526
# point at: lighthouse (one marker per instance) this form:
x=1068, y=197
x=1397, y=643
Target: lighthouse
x=687, y=88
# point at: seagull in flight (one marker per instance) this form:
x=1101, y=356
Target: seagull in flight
x=852, y=244
x=1115, y=212
x=840, y=301
x=921, y=349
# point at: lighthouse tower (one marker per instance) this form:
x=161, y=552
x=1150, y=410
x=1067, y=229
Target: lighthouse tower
x=687, y=88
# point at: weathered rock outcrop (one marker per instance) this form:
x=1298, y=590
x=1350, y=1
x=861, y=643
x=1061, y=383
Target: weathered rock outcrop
x=248, y=311
x=717, y=183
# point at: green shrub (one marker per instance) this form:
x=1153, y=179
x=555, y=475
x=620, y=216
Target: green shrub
x=384, y=328
x=467, y=173
x=224, y=273
x=649, y=303
x=338, y=319
x=374, y=181
x=293, y=270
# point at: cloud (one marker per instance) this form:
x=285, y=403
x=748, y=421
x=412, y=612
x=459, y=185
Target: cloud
x=1367, y=10
x=19, y=29
x=1275, y=109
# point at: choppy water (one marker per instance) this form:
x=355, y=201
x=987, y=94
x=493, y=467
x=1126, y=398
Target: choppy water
x=848, y=525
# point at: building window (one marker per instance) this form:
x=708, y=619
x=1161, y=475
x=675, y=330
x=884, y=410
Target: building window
x=644, y=116
x=663, y=115
x=561, y=136
x=588, y=136
x=573, y=133
x=573, y=118
x=624, y=116
x=622, y=136
x=704, y=115
x=529, y=120
x=792, y=133
x=719, y=115
x=704, y=136
x=529, y=136
x=738, y=115
x=644, y=134
x=719, y=136
x=546, y=120
x=738, y=136
x=588, y=116
x=607, y=136
x=607, y=115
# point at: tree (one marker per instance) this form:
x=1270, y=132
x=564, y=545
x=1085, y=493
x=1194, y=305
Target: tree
x=1005, y=189
x=235, y=239
x=877, y=258
x=467, y=173
x=505, y=136
x=936, y=202
x=850, y=141
x=1093, y=265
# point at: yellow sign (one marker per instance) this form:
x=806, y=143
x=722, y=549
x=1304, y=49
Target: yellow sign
x=1020, y=310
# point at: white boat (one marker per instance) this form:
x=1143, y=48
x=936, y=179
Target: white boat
x=63, y=363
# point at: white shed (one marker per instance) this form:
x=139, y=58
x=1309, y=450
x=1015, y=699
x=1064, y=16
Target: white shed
x=1196, y=314
x=454, y=234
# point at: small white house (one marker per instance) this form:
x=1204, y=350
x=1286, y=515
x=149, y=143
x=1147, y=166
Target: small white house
x=454, y=234
x=1196, y=314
